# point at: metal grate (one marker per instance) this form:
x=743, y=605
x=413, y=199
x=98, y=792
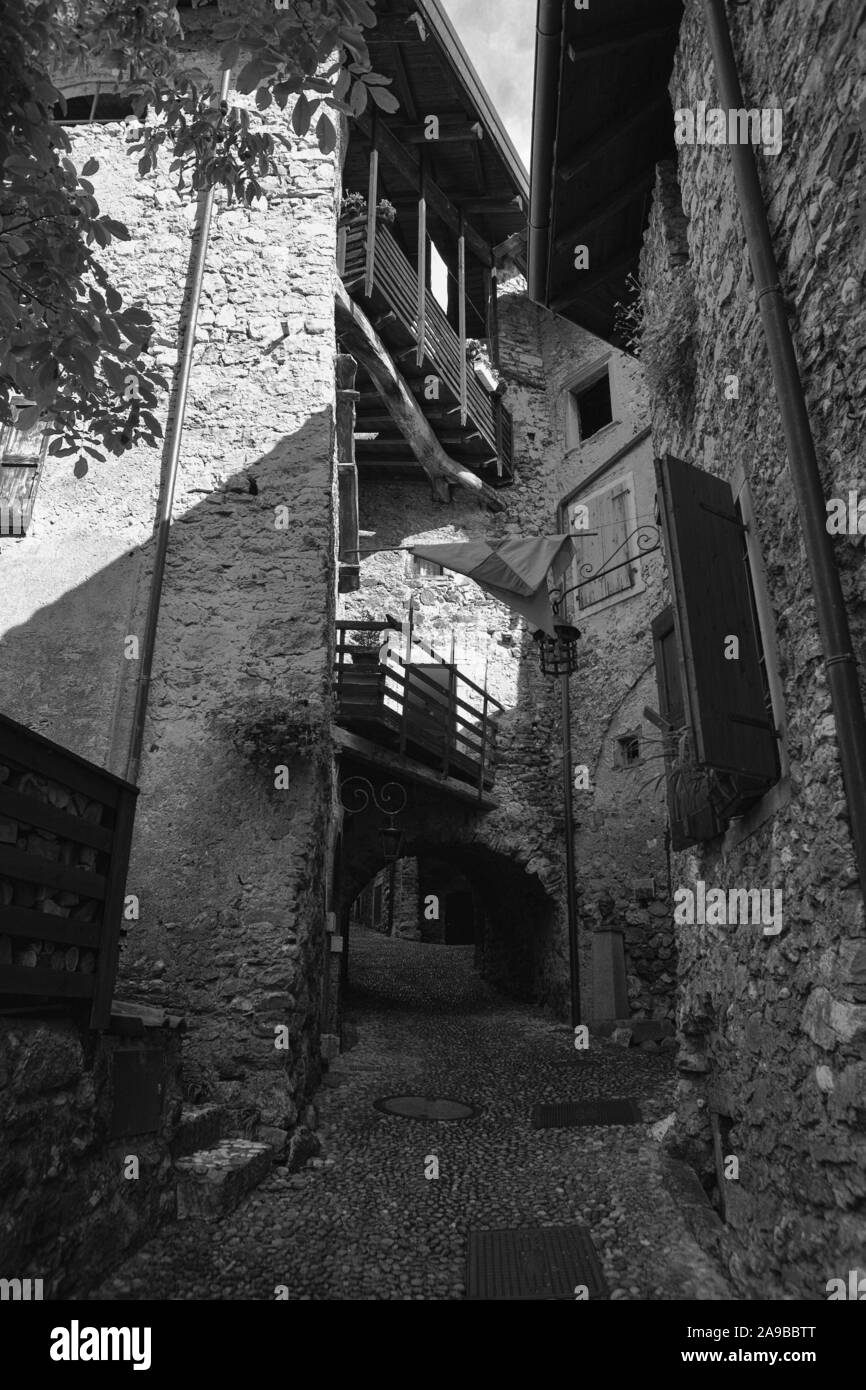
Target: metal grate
x=545, y=1263
x=571, y=1114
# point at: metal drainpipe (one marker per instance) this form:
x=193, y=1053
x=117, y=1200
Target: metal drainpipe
x=570, y=873
x=840, y=665
x=169, y=480
x=548, y=53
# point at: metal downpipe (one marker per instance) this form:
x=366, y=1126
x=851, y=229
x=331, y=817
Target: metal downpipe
x=168, y=481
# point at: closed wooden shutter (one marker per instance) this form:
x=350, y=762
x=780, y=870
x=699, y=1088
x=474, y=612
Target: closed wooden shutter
x=700, y=822
x=706, y=558
x=608, y=516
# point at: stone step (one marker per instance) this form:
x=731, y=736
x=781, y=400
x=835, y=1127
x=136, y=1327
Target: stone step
x=199, y=1127
x=212, y=1182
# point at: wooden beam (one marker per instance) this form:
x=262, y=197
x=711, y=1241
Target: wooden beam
x=372, y=754
x=403, y=86
x=616, y=40
x=422, y=282
x=586, y=279
x=360, y=338
x=603, y=211
x=408, y=165
x=372, y=200
x=580, y=158
x=451, y=132
x=461, y=321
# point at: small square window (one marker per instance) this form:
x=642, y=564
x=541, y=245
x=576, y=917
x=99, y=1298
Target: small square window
x=628, y=750
x=592, y=407
x=426, y=568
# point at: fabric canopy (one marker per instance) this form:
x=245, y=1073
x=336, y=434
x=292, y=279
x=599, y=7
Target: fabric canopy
x=514, y=571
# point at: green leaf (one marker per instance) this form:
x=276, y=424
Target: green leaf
x=385, y=100
x=358, y=99
x=301, y=115
x=117, y=229
x=326, y=134
x=90, y=167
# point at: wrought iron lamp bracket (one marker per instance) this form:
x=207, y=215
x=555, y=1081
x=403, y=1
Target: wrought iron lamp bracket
x=644, y=540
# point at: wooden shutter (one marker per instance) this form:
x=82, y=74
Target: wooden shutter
x=706, y=556
x=608, y=515
x=701, y=822
x=614, y=533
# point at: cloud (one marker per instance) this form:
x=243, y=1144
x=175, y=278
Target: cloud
x=502, y=50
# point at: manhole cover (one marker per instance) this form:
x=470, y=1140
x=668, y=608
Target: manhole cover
x=547, y=1263
x=571, y=1114
x=425, y=1107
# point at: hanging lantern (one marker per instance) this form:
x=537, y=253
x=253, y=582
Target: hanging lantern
x=391, y=840
x=558, y=655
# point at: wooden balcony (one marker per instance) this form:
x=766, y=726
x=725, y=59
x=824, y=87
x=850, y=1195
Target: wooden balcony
x=65, y=835
x=484, y=442
x=423, y=709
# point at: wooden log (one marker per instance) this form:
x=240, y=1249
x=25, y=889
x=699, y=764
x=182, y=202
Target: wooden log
x=360, y=338
x=422, y=282
x=372, y=200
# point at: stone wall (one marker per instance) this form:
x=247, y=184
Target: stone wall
x=774, y=1028
x=70, y=1206
x=520, y=844
x=230, y=872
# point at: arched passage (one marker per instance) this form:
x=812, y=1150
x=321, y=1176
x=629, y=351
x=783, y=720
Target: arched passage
x=515, y=921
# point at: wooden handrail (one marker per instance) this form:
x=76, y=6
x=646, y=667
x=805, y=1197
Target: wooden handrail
x=398, y=281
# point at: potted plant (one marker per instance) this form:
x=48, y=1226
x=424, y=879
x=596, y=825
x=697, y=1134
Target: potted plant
x=367, y=643
x=353, y=209
x=478, y=355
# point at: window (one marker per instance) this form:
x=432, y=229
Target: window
x=23, y=446
x=716, y=699
x=426, y=568
x=103, y=103
x=627, y=750
x=589, y=409
x=603, y=524
x=438, y=277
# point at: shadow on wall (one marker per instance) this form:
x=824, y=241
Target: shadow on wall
x=228, y=871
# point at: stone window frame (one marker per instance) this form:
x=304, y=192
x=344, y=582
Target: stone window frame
x=622, y=763
x=579, y=380
x=638, y=584
x=779, y=795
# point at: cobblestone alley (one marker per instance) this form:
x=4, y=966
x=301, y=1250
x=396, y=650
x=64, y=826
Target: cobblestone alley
x=362, y=1222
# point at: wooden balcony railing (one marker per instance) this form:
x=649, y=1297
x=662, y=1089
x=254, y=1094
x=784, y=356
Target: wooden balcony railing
x=395, y=280
x=65, y=835
x=425, y=709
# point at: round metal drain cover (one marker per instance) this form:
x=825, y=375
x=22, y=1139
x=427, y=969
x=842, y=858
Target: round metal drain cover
x=425, y=1107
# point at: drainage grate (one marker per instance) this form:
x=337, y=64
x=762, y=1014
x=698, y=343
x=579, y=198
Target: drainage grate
x=569, y=1114
x=425, y=1107
x=546, y=1263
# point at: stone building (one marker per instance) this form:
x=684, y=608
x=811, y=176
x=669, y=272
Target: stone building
x=763, y=789
x=333, y=418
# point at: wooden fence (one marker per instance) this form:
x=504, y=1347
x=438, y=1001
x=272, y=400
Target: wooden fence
x=65, y=836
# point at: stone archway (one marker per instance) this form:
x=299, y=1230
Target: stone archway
x=522, y=945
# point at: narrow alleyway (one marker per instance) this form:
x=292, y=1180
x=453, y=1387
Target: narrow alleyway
x=363, y=1222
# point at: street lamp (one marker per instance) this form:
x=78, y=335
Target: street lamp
x=362, y=792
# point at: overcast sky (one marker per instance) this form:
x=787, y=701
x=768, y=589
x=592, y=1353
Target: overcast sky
x=499, y=36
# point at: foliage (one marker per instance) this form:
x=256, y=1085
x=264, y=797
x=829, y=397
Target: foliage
x=663, y=336
x=694, y=786
x=67, y=340
x=269, y=732
x=355, y=205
